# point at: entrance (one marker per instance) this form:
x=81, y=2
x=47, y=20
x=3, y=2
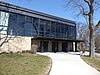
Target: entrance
x=44, y=46
x=64, y=46
x=55, y=46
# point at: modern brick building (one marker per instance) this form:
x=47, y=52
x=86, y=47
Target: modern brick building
x=49, y=33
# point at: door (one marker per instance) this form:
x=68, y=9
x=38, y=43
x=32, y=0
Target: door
x=55, y=46
x=64, y=46
x=44, y=46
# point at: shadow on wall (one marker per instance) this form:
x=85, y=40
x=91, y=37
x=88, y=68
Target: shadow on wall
x=16, y=44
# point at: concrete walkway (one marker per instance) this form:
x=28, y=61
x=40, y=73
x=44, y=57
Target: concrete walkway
x=69, y=64
x=98, y=54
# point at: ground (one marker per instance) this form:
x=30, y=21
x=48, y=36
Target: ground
x=24, y=64
x=94, y=62
x=69, y=64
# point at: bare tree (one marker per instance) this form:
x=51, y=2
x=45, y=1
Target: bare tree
x=86, y=8
x=4, y=36
x=82, y=32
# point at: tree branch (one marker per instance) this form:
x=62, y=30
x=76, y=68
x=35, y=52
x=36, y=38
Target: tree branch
x=87, y=1
x=82, y=10
x=97, y=26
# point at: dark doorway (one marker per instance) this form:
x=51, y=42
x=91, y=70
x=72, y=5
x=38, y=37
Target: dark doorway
x=44, y=46
x=64, y=46
x=55, y=46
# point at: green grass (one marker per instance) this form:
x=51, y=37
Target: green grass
x=17, y=64
x=97, y=51
x=94, y=62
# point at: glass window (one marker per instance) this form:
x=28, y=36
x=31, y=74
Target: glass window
x=31, y=26
x=58, y=33
x=28, y=19
x=63, y=33
x=4, y=17
x=66, y=31
x=71, y=32
x=53, y=29
x=21, y=21
x=42, y=27
x=35, y=24
x=47, y=28
x=13, y=24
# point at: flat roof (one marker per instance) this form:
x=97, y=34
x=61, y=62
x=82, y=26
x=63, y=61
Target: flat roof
x=5, y=4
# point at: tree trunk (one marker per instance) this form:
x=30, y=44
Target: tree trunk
x=92, y=31
x=92, y=44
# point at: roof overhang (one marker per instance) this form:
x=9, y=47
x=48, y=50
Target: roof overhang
x=57, y=39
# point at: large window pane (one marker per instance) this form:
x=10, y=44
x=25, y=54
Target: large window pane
x=3, y=22
x=35, y=24
x=47, y=29
x=21, y=21
x=53, y=29
x=13, y=24
x=30, y=27
x=63, y=32
x=42, y=27
x=58, y=34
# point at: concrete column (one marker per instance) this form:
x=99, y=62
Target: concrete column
x=60, y=46
x=50, y=46
x=75, y=46
x=42, y=45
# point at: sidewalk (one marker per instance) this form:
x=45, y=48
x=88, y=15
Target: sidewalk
x=69, y=64
x=98, y=54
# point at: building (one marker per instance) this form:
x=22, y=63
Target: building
x=29, y=27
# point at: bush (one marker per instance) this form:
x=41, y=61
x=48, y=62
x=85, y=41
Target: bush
x=23, y=51
x=27, y=51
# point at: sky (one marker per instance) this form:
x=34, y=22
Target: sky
x=52, y=7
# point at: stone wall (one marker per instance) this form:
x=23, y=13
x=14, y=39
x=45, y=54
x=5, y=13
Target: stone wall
x=16, y=44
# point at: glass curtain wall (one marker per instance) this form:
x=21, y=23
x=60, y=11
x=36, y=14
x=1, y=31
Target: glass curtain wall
x=56, y=30
x=22, y=25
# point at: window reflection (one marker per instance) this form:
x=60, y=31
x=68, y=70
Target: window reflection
x=30, y=26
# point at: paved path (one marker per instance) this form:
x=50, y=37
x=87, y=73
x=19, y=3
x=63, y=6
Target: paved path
x=98, y=54
x=69, y=64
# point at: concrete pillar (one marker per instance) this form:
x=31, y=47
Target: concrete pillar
x=42, y=45
x=49, y=46
x=60, y=46
x=75, y=46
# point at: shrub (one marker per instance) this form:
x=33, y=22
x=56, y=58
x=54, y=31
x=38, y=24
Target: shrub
x=23, y=51
x=29, y=51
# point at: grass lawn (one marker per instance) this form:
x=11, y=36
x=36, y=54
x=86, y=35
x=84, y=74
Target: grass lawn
x=94, y=62
x=21, y=64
